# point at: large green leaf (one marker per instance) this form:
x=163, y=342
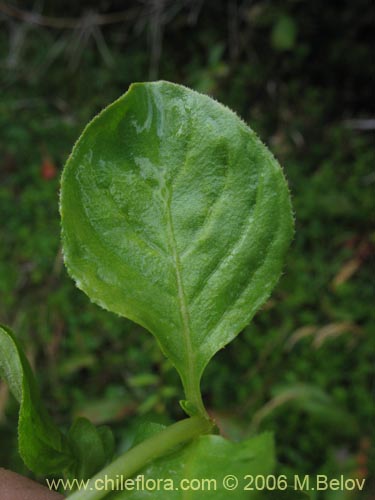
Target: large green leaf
x=42, y=446
x=175, y=215
x=207, y=457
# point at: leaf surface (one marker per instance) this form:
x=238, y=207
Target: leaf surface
x=207, y=457
x=175, y=215
x=42, y=446
x=92, y=447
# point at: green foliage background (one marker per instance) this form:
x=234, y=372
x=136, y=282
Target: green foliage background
x=300, y=74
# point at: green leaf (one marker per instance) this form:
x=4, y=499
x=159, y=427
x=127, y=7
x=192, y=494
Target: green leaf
x=93, y=447
x=208, y=457
x=145, y=430
x=176, y=216
x=42, y=446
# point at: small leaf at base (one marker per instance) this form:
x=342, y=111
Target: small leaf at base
x=42, y=446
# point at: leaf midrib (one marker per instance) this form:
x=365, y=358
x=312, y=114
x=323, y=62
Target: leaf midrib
x=183, y=305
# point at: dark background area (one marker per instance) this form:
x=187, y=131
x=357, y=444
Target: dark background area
x=301, y=74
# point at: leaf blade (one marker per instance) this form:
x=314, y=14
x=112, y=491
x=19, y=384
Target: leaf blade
x=42, y=446
x=208, y=457
x=176, y=216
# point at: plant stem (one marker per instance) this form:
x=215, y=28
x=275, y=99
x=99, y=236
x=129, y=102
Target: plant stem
x=193, y=396
x=136, y=458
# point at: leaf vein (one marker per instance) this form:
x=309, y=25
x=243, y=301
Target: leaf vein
x=247, y=284
x=224, y=257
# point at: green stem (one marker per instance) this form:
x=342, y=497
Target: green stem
x=193, y=396
x=136, y=458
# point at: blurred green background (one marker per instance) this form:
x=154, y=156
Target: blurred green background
x=300, y=74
